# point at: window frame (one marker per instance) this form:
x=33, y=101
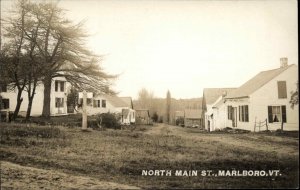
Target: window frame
x=103, y=103
x=62, y=86
x=229, y=112
x=244, y=113
x=273, y=111
x=5, y=104
x=60, y=103
x=282, y=89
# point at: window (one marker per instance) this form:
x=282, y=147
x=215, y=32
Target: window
x=56, y=86
x=104, y=103
x=89, y=101
x=5, y=104
x=97, y=103
x=244, y=113
x=282, y=92
x=277, y=114
x=3, y=88
x=229, y=112
x=59, y=85
x=59, y=102
x=62, y=86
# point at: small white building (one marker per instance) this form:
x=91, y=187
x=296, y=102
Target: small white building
x=210, y=96
x=97, y=104
x=264, y=98
x=58, y=104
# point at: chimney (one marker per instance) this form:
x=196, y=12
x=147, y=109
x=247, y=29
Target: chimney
x=283, y=62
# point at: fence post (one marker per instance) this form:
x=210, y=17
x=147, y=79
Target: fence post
x=281, y=126
x=267, y=125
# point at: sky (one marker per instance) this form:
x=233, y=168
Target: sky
x=185, y=46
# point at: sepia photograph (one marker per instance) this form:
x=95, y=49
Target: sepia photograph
x=149, y=94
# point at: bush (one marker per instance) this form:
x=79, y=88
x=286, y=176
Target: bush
x=106, y=120
x=179, y=121
x=161, y=119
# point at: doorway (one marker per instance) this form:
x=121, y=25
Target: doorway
x=234, y=116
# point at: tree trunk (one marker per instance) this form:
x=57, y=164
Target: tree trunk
x=19, y=102
x=47, y=97
x=30, y=100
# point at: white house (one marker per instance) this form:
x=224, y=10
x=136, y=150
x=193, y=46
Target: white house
x=210, y=95
x=264, y=98
x=107, y=103
x=58, y=98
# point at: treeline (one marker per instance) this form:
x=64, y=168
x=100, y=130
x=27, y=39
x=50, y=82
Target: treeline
x=158, y=106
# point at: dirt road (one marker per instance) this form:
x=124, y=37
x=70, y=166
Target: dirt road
x=14, y=176
x=256, y=141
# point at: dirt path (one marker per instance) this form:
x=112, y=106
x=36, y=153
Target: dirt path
x=14, y=176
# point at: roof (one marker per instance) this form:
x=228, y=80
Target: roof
x=256, y=82
x=128, y=101
x=179, y=113
x=212, y=94
x=142, y=112
x=117, y=101
x=192, y=113
x=125, y=112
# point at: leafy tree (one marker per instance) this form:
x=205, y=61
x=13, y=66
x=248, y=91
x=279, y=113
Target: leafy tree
x=295, y=97
x=72, y=99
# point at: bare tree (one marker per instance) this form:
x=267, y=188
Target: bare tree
x=56, y=48
x=145, y=99
x=13, y=66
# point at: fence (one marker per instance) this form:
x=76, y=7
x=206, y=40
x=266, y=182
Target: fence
x=261, y=124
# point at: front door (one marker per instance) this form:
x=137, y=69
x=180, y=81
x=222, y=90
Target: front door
x=234, y=117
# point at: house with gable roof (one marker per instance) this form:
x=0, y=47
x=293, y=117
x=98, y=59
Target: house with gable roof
x=58, y=98
x=103, y=103
x=210, y=96
x=264, y=98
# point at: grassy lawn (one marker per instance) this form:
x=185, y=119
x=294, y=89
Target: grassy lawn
x=121, y=155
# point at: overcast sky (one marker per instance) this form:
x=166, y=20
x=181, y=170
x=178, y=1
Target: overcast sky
x=185, y=46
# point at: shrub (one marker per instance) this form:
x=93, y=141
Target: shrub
x=179, y=121
x=110, y=120
x=106, y=120
x=161, y=119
